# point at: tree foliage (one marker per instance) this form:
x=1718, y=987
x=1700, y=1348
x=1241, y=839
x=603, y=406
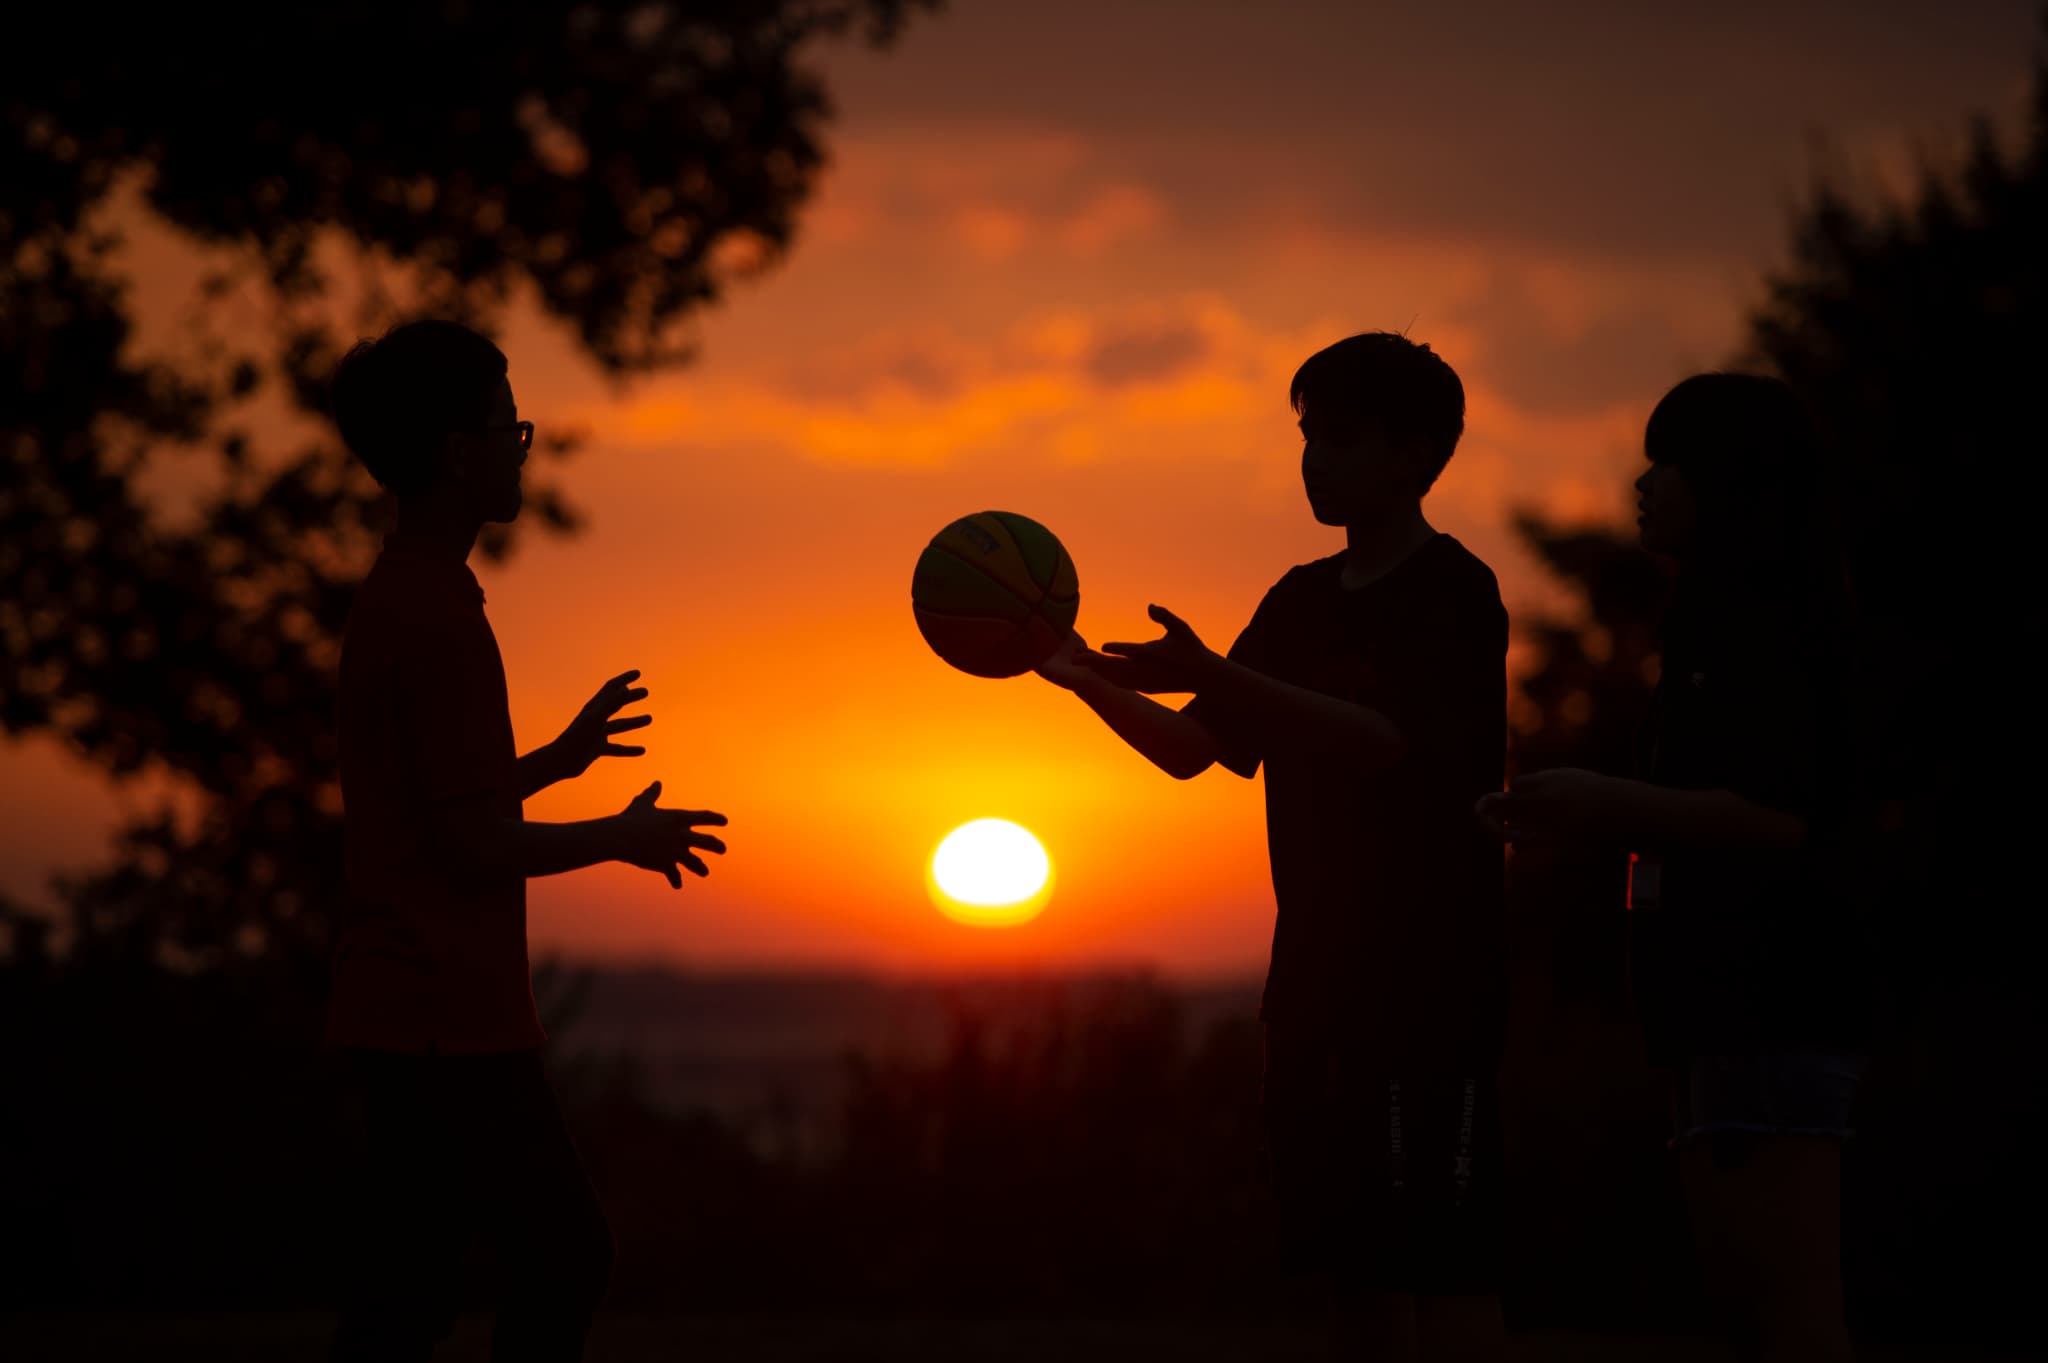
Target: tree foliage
x=1913, y=326
x=620, y=164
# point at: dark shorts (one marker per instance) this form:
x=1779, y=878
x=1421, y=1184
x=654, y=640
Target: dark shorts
x=1387, y=1173
x=1733, y=1099
x=456, y=1147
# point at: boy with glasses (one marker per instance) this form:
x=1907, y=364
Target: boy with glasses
x=431, y=992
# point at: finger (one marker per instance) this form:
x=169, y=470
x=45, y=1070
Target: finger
x=697, y=868
x=646, y=798
x=619, y=680
x=1174, y=624
x=619, y=726
x=621, y=750
x=1123, y=650
x=673, y=876
x=702, y=817
x=706, y=842
x=619, y=700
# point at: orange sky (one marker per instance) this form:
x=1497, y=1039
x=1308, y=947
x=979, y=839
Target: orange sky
x=1064, y=263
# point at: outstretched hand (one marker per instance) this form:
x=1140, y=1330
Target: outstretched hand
x=589, y=735
x=1176, y=661
x=1564, y=803
x=662, y=840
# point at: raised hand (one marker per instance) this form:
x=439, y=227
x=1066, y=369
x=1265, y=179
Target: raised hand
x=1176, y=661
x=589, y=735
x=661, y=840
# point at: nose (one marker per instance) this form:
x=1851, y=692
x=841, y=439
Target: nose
x=1643, y=483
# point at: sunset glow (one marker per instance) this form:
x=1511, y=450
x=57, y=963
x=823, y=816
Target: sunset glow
x=1049, y=270
x=991, y=873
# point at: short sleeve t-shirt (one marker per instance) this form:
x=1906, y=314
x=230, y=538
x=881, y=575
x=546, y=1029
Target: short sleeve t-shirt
x=428, y=959
x=1744, y=950
x=1389, y=926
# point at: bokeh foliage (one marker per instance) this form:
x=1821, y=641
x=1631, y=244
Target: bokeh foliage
x=621, y=165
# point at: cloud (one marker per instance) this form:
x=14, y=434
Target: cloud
x=993, y=195
x=1145, y=353
x=1061, y=384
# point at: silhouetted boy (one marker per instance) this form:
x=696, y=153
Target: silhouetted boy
x=1371, y=686
x=431, y=987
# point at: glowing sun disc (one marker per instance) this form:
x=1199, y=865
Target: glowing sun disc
x=990, y=873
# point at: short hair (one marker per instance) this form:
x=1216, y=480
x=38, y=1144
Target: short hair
x=398, y=397
x=1381, y=381
x=1766, y=546
x=1751, y=456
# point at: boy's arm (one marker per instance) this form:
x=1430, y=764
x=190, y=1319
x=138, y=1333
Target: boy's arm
x=659, y=840
x=1275, y=715
x=1175, y=743
x=1571, y=804
x=1282, y=716
x=538, y=770
x=588, y=737
x=1665, y=816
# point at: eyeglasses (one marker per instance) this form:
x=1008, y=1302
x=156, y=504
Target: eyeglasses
x=525, y=429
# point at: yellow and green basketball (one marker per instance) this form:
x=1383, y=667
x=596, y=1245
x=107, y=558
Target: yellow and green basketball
x=995, y=594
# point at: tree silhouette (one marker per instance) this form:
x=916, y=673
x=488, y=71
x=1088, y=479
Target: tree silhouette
x=1913, y=327
x=623, y=163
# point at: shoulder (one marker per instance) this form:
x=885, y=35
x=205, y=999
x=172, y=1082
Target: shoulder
x=1307, y=579
x=402, y=605
x=1462, y=572
x=1463, y=592
x=1302, y=590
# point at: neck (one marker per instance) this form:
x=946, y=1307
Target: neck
x=438, y=529
x=1373, y=547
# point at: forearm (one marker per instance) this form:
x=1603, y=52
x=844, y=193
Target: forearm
x=516, y=846
x=1283, y=717
x=1173, y=742
x=547, y=849
x=1655, y=817
x=538, y=770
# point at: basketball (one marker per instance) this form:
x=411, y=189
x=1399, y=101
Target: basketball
x=995, y=594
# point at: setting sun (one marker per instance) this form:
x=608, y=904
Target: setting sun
x=990, y=873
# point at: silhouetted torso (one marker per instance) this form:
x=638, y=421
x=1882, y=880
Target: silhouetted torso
x=428, y=960
x=1390, y=928
x=1749, y=950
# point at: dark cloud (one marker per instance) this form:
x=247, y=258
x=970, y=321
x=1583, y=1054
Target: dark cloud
x=1604, y=124
x=1145, y=354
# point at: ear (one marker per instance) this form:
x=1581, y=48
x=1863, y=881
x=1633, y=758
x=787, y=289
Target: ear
x=458, y=456
x=1420, y=463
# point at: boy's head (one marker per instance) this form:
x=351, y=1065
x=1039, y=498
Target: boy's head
x=1735, y=474
x=429, y=411
x=1380, y=416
